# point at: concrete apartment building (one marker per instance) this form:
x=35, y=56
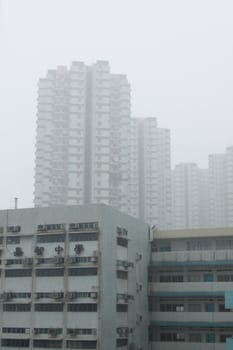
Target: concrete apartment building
x=221, y=189
x=82, y=137
x=73, y=277
x=189, y=196
x=150, y=172
x=191, y=290
x=90, y=150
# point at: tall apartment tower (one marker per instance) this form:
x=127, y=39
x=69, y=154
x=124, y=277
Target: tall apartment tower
x=217, y=190
x=190, y=196
x=82, y=137
x=229, y=186
x=150, y=172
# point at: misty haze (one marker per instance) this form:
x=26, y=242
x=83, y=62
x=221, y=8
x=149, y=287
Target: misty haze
x=116, y=194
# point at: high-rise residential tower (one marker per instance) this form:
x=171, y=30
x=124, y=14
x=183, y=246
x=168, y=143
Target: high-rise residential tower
x=190, y=196
x=150, y=172
x=90, y=150
x=82, y=137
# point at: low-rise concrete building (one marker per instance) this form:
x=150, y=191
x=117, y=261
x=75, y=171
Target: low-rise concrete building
x=191, y=289
x=73, y=277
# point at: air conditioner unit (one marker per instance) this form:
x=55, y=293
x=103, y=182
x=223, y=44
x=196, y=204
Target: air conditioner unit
x=78, y=248
x=94, y=259
x=94, y=295
x=71, y=295
x=57, y=295
x=73, y=333
x=53, y=332
x=95, y=253
x=7, y=262
x=18, y=251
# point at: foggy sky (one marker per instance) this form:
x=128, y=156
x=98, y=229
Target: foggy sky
x=177, y=54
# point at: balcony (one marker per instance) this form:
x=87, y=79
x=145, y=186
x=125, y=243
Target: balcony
x=205, y=257
x=187, y=346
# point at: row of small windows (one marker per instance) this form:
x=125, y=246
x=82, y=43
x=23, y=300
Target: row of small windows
x=191, y=277
x=49, y=344
x=70, y=331
x=85, y=271
x=50, y=238
x=50, y=307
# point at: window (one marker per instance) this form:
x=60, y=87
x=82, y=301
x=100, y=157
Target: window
x=195, y=338
x=49, y=272
x=172, y=337
x=225, y=278
x=194, y=278
x=210, y=338
x=51, y=238
x=17, y=343
x=81, y=344
x=209, y=307
x=121, y=342
x=82, y=331
x=223, y=337
x=49, y=307
x=81, y=237
x=122, y=275
x=171, y=278
x=122, y=308
x=18, y=273
x=13, y=240
x=48, y=344
x=123, y=242
x=89, y=271
x=82, y=307
x=16, y=330
x=208, y=277
x=172, y=307
x=194, y=307
x=17, y=307
x=222, y=308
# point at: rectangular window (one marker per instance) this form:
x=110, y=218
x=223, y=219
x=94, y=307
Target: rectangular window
x=15, y=343
x=82, y=307
x=81, y=344
x=17, y=307
x=49, y=272
x=195, y=338
x=49, y=307
x=122, y=275
x=209, y=307
x=208, y=277
x=194, y=307
x=171, y=278
x=18, y=273
x=51, y=238
x=121, y=342
x=122, y=308
x=47, y=344
x=210, y=338
x=13, y=240
x=123, y=242
x=82, y=237
x=89, y=271
x=15, y=330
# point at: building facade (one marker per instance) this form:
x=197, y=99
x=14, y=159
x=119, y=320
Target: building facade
x=73, y=277
x=150, y=173
x=189, y=196
x=190, y=289
x=82, y=145
x=90, y=150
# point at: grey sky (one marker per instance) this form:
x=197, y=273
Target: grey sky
x=177, y=55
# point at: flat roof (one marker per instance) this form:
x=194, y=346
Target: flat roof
x=193, y=233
